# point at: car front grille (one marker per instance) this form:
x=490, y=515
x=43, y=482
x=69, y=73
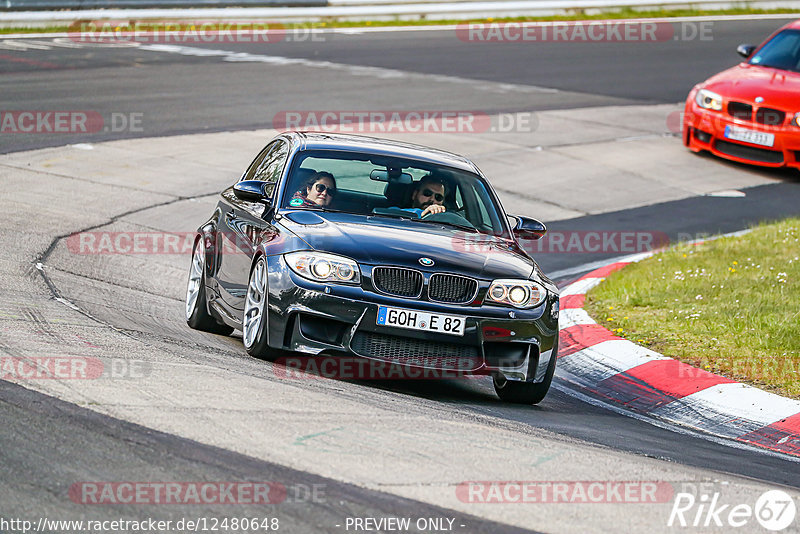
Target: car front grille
x=416, y=352
x=452, y=289
x=397, y=281
x=740, y=110
x=770, y=117
x=749, y=152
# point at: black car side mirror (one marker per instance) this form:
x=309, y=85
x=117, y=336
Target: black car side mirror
x=745, y=50
x=527, y=228
x=250, y=191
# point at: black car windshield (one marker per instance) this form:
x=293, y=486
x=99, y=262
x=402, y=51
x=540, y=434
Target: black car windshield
x=781, y=52
x=387, y=186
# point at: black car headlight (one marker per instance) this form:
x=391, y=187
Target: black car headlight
x=517, y=293
x=323, y=267
x=708, y=100
x=796, y=119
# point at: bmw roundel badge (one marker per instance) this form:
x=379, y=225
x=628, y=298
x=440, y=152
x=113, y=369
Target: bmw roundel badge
x=427, y=262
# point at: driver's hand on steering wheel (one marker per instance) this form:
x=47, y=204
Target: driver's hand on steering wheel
x=432, y=209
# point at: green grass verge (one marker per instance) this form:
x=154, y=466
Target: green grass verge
x=577, y=15
x=730, y=306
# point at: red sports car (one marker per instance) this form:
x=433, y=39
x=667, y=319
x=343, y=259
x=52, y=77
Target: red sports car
x=750, y=113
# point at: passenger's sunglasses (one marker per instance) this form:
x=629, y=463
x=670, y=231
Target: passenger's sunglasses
x=427, y=193
x=322, y=187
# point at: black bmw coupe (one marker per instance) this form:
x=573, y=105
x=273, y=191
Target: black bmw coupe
x=354, y=246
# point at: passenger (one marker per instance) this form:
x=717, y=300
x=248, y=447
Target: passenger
x=319, y=190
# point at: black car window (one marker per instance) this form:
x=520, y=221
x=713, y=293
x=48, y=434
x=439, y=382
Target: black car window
x=268, y=166
x=781, y=52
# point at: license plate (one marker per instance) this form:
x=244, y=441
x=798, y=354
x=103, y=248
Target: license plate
x=417, y=320
x=749, y=136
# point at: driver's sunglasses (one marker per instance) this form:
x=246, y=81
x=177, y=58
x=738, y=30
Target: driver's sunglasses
x=322, y=187
x=427, y=193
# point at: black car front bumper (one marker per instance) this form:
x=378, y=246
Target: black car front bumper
x=312, y=318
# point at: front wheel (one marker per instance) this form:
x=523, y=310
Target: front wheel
x=254, y=322
x=197, y=315
x=525, y=392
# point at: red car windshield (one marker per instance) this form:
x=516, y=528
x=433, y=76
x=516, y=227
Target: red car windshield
x=781, y=52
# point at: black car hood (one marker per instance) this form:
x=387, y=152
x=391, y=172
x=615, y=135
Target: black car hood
x=378, y=240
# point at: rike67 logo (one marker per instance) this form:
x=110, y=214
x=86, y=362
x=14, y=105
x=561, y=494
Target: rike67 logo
x=774, y=510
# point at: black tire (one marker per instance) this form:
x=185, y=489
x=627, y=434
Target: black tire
x=197, y=315
x=526, y=392
x=256, y=341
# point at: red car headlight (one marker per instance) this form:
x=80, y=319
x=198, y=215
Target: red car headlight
x=708, y=100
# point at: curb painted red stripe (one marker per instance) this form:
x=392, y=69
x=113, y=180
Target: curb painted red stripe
x=603, y=272
x=676, y=378
x=571, y=302
x=581, y=336
x=653, y=384
x=790, y=424
x=631, y=393
x=782, y=436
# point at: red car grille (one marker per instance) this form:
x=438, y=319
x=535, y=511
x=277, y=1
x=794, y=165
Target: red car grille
x=769, y=116
x=740, y=110
x=744, y=111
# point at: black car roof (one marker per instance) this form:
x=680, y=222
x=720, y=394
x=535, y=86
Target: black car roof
x=387, y=147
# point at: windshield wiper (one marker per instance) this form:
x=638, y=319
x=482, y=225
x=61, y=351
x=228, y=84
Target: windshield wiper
x=408, y=217
x=778, y=67
x=316, y=208
x=452, y=224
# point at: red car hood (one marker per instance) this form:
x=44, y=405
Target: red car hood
x=779, y=88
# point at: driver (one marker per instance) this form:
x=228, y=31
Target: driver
x=428, y=196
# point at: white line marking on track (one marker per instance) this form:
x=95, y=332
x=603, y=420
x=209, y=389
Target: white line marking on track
x=727, y=193
x=23, y=45
x=353, y=70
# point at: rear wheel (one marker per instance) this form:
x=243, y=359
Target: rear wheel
x=197, y=315
x=525, y=392
x=254, y=321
